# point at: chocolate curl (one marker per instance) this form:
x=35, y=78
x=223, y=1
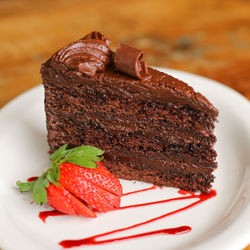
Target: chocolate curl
x=127, y=60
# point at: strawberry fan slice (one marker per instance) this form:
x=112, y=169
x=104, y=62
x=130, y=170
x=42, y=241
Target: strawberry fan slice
x=99, y=176
x=90, y=185
x=63, y=201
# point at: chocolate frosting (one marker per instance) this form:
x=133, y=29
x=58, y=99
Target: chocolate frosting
x=159, y=130
x=127, y=60
x=91, y=56
x=87, y=55
x=95, y=35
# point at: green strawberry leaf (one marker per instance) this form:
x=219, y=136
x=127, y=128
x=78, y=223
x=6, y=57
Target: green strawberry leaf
x=46, y=181
x=86, y=163
x=38, y=191
x=84, y=156
x=52, y=178
x=59, y=153
x=56, y=173
x=39, y=194
x=87, y=150
x=25, y=186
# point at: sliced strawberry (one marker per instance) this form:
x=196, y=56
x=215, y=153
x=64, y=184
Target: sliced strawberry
x=93, y=195
x=102, y=169
x=63, y=201
x=114, y=186
x=99, y=176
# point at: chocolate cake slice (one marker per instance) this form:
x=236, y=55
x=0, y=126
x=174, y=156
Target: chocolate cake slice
x=152, y=126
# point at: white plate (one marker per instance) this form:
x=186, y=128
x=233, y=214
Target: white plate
x=220, y=223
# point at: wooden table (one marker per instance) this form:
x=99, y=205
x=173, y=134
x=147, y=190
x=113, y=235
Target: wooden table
x=210, y=38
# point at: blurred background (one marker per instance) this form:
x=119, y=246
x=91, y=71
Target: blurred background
x=209, y=37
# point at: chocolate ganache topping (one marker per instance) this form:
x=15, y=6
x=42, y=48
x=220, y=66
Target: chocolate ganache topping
x=92, y=54
x=127, y=60
x=87, y=55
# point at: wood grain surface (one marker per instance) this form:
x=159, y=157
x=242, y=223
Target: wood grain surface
x=209, y=37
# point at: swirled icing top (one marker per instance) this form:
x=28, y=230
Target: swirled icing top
x=92, y=54
x=87, y=55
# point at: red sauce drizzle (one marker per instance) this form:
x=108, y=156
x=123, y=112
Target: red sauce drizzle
x=180, y=230
x=45, y=214
x=174, y=231
x=92, y=240
x=201, y=197
x=32, y=178
x=185, y=192
x=139, y=191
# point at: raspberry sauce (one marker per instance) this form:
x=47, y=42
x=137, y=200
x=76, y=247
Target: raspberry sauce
x=93, y=240
x=45, y=214
x=185, y=192
x=139, y=191
x=32, y=178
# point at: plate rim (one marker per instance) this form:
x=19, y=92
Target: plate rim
x=244, y=101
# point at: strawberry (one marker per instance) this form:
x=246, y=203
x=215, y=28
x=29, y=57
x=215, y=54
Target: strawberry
x=99, y=176
x=77, y=177
x=72, y=177
x=63, y=201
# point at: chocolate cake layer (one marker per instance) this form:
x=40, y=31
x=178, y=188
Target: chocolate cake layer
x=173, y=139
x=160, y=88
x=176, y=177
x=119, y=118
x=155, y=129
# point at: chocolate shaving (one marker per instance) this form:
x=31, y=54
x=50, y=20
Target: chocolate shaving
x=127, y=60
